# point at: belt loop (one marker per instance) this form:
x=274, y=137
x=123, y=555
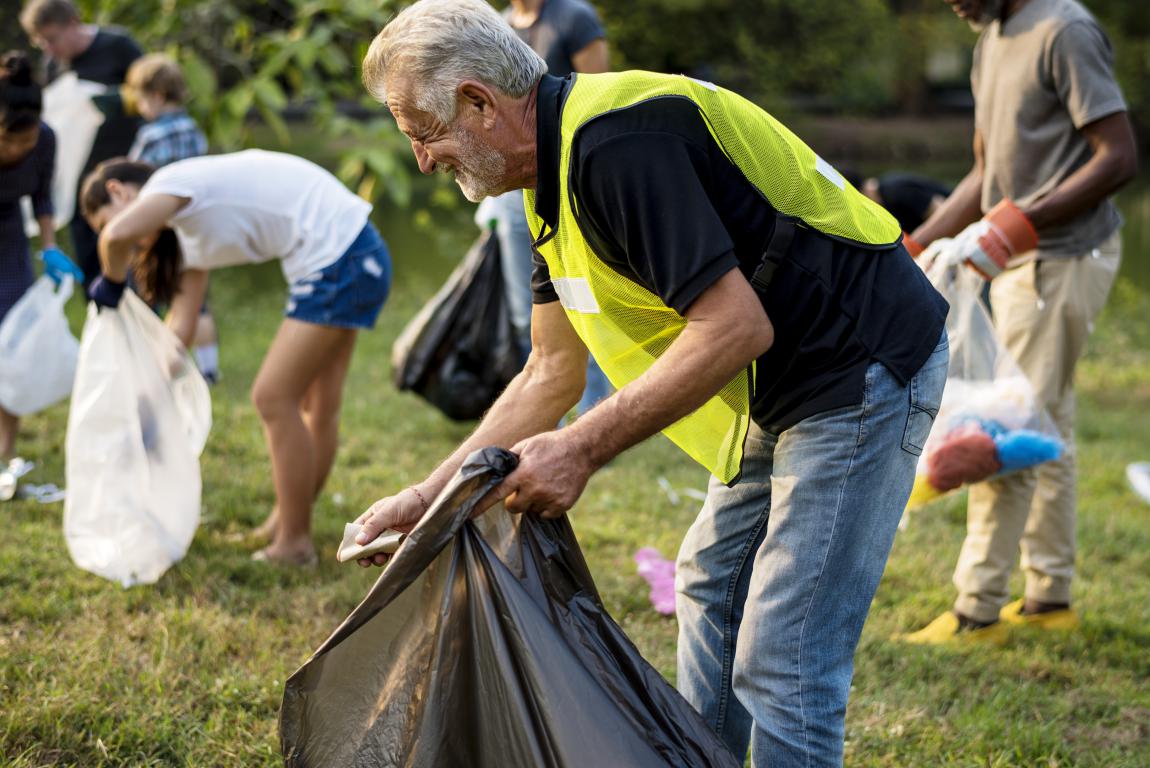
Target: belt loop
x=774, y=253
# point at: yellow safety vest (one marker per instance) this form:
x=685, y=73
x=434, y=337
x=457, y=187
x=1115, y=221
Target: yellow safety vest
x=627, y=327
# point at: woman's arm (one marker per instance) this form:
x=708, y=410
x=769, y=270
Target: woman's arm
x=141, y=220
x=47, y=232
x=184, y=314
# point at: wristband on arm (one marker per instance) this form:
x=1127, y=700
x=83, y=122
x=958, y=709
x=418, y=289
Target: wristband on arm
x=105, y=292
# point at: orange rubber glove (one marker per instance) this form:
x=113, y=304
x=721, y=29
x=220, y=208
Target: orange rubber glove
x=988, y=244
x=913, y=247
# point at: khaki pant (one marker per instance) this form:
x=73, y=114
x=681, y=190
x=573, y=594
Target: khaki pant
x=1044, y=312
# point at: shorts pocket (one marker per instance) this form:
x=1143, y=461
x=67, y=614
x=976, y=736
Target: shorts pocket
x=372, y=279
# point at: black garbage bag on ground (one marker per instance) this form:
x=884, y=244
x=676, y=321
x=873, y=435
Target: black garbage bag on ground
x=460, y=351
x=484, y=644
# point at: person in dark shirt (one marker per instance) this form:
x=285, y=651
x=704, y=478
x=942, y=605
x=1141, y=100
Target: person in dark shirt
x=748, y=302
x=27, y=163
x=568, y=36
x=910, y=198
x=97, y=54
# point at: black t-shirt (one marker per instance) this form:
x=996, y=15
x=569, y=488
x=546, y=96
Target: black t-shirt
x=563, y=28
x=908, y=197
x=661, y=204
x=106, y=61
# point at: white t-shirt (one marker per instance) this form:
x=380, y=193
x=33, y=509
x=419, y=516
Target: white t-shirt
x=254, y=206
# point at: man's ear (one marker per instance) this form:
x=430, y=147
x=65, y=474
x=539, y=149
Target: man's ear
x=479, y=99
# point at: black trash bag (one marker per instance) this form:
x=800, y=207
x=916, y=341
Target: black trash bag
x=484, y=644
x=460, y=351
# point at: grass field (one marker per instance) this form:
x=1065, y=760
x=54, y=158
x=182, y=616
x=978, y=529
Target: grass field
x=190, y=672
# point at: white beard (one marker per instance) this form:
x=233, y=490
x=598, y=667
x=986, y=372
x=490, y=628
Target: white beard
x=485, y=168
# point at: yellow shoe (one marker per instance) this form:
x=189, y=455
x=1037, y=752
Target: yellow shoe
x=945, y=631
x=1064, y=619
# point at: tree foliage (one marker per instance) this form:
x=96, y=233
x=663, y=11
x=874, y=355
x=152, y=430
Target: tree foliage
x=856, y=56
x=272, y=58
x=301, y=57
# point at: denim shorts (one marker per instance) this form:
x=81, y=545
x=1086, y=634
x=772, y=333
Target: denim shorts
x=348, y=293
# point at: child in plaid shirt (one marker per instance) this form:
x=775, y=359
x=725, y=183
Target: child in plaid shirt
x=157, y=86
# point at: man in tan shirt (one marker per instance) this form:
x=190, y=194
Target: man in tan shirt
x=1052, y=143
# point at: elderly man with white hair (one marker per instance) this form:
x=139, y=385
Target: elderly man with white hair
x=744, y=300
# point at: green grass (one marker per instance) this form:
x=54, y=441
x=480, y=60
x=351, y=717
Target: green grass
x=190, y=671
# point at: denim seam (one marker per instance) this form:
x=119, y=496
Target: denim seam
x=728, y=608
x=826, y=554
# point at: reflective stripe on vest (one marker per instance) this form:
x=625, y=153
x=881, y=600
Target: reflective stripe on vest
x=627, y=327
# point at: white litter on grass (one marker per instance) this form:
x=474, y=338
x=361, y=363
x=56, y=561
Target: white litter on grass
x=49, y=493
x=1138, y=474
x=674, y=495
x=694, y=493
x=10, y=476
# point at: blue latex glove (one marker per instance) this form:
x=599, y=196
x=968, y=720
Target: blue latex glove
x=106, y=292
x=57, y=266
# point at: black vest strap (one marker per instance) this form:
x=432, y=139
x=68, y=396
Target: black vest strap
x=774, y=253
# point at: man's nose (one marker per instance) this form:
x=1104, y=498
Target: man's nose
x=426, y=164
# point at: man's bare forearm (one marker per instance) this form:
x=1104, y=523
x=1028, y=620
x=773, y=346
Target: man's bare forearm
x=718, y=343
x=689, y=374
x=962, y=207
x=533, y=402
x=1113, y=164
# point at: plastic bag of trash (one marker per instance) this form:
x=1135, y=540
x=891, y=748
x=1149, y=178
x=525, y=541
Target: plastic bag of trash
x=140, y=416
x=75, y=119
x=990, y=422
x=37, y=349
x=484, y=643
x=460, y=351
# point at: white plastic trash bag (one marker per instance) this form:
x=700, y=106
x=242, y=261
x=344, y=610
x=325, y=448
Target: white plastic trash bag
x=37, y=349
x=990, y=422
x=75, y=119
x=140, y=415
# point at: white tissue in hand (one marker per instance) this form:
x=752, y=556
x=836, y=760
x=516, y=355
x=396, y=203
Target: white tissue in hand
x=387, y=543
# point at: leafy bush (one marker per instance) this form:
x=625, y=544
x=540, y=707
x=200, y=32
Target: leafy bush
x=275, y=59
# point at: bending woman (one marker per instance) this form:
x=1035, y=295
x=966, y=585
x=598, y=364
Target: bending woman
x=246, y=208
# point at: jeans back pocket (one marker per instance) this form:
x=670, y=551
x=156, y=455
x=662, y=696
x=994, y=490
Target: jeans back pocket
x=925, y=390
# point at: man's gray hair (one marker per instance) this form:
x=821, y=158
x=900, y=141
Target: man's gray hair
x=437, y=44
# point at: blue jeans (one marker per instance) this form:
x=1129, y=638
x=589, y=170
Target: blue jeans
x=776, y=575
x=516, y=259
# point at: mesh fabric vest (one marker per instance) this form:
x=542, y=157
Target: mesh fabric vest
x=627, y=327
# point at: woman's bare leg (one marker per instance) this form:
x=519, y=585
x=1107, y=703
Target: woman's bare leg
x=300, y=354
x=320, y=408
x=321, y=412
